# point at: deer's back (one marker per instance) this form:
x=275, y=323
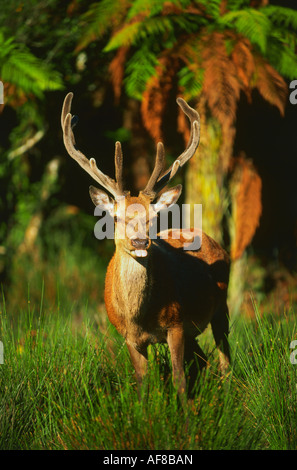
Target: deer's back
x=196, y=280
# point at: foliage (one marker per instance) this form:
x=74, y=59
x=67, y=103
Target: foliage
x=228, y=41
x=35, y=42
x=24, y=71
x=67, y=383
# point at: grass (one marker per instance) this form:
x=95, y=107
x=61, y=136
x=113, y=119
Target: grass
x=66, y=384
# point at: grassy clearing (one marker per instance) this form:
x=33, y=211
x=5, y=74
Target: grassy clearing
x=68, y=384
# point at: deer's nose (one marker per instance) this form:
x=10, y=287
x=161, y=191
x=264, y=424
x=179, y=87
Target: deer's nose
x=140, y=243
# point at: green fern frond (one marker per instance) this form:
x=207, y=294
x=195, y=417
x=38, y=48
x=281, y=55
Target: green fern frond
x=156, y=27
x=100, y=18
x=139, y=69
x=235, y=5
x=281, y=16
x=140, y=30
x=283, y=58
x=252, y=23
x=20, y=67
x=287, y=64
x=154, y=7
x=7, y=46
x=125, y=37
x=148, y=7
x=191, y=80
x=212, y=7
x=30, y=74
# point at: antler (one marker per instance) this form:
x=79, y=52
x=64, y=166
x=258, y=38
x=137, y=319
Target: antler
x=115, y=187
x=156, y=183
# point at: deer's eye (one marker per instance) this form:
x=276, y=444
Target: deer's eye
x=117, y=219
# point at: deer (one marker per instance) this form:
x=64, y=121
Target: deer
x=155, y=290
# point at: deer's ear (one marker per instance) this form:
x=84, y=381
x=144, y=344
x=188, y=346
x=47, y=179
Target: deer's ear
x=168, y=198
x=101, y=199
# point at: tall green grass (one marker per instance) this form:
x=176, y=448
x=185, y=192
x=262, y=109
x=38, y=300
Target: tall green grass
x=69, y=384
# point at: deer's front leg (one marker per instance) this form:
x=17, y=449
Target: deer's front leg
x=139, y=362
x=176, y=343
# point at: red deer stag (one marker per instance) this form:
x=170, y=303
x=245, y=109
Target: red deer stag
x=155, y=291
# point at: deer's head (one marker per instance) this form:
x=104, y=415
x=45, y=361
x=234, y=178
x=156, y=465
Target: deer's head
x=132, y=215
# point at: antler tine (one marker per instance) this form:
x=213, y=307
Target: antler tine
x=188, y=152
x=118, y=162
x=90, y=166
x=159, y=165
x=66, y=110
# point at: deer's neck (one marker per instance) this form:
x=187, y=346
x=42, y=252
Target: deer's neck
x=131, y=284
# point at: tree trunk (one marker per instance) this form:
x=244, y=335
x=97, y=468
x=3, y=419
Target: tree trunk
x=205, y=179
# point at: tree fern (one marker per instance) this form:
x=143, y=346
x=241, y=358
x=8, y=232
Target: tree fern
x=208, y=50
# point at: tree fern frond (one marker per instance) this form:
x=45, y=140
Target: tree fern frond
x=212, y=7
x=246, y=189
x=30, y=74
x=283, y=58
x=190, y=79
x=101, y=17
x=154, y=7
x=243, y=59
x=126, y=36
x=251, y=23
x=270, y=84
x=235, y=5
x=287, y=63
x=139, y=69
x=282, y=16
x=155, y=27
x=117, y=70
x=7, y=46
x=221, y=86
x=155, y=96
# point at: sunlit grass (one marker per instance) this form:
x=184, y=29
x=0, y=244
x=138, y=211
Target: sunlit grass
x=69, y=384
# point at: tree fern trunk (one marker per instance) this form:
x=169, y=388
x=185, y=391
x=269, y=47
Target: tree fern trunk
x=205, y=177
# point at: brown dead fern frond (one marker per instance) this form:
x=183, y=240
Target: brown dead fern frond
x=246, y=190
x=155, y=97
x=270, y=84
x=117, y=69
x=221, y=86
x=243, y=59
